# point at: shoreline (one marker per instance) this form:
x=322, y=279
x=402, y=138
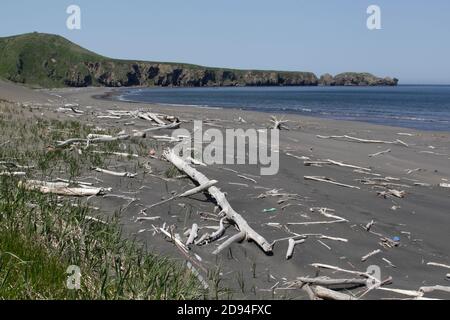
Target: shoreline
x=108, y=94
x=426, y=125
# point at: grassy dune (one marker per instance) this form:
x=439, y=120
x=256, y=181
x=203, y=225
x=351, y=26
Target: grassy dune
x=41, y=235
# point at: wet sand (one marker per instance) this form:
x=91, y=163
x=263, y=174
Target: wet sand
x=420, y=220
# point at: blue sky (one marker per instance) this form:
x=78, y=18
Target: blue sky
x=316, y=35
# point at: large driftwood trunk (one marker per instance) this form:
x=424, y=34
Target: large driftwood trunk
x=221, y=200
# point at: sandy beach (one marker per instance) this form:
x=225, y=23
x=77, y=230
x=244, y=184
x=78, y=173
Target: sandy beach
x=401, y=188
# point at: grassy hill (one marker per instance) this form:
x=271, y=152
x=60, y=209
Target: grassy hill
x=46, y=60
x=41, y=59
x=52, y=61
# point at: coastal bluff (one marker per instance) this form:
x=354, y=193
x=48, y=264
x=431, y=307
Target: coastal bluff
x=44, y=60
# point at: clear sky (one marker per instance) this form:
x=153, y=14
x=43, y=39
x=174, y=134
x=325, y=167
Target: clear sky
x=305, y=35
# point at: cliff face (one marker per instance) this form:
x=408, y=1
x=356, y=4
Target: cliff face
x=118, y=74
x=356, y=79
x=52, y=61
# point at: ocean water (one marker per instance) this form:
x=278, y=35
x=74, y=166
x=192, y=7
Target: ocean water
x=416, y=107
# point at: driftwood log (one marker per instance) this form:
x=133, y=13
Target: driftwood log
x=328, y=294
x=336, y=284
x=105, y=138
x=61, y=188
x=278, y=124
x=328, y=180
x=354, y=139
x=221, y=200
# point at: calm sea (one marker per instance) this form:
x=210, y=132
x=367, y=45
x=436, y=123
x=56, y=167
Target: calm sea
x=417, y=107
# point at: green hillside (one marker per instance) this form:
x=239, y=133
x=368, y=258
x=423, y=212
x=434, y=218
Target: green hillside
x=44, y=60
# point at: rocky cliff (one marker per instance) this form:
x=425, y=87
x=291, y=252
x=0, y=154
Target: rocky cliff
x=157, y=74
x=356, y=79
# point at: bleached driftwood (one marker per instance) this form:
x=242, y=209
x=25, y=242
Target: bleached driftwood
x=117, y=174
x=369, y=225
x=166, y=138
x=312, y=223
x=390, y=264
x=310, y=292
x=335, y=283
x=434, y=264
x=328, y=180
x=383, y=182
x=13, y=174
x=290, y=249
x=221, y=200
x=150, y=117
x=278, y=124
x=291, y=246
x=298, y=157
x=202, y=239
x=392, y=192
x=193, y=235
x=322, y=211
x=120, y=154
x=329, y=267
x=410, y=171
x=196, y=162
x=219, y=233
x=238, y=237
x=379, y=153
x=61, y=188
x=434, y=288
x=9, y=164
x=147, y=218
x=336, y=163
x=398, y=142
x=247, y=178
x=410, y=293
x=108, y=117
x=328, y=294
x=333, y=238
x=371, y=254
x=188, y=193
x=175, y=239
x=73, y=181
x=92, y=138
x=216, y=235
x=305, y=236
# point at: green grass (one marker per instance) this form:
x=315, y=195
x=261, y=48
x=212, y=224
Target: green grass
x=40, y=239
x=42, y=235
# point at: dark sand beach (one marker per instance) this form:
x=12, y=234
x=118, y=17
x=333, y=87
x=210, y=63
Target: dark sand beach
x=410, y=231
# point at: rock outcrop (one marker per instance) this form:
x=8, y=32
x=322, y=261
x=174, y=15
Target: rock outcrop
x=356, y=79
